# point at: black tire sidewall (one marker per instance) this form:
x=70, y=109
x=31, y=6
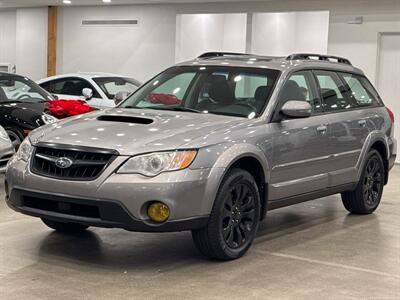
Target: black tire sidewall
x=18, y=132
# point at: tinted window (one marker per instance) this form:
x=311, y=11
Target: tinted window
x=219, y=90
x=335, y=94
x=69, y=86
x=300, y=87
x=360, y=90
x=21, y=89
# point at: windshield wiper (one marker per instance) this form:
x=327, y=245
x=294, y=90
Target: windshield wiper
x=186, y=109
x=178, y=108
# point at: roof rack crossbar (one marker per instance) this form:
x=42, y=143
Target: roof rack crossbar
x=219, y=54
x=309, y=56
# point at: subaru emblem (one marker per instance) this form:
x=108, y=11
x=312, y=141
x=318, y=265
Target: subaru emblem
x=63, y=162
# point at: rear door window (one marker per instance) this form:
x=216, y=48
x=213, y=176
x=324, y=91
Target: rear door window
x=335, y=94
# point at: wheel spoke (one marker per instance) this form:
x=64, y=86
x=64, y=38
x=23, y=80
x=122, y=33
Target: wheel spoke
x=374, y=166
x=243, y=193
x=378, y=177
x=248, y=214
x=229, y=238
x=228, y=202
x=239, y=236
x=248, y=204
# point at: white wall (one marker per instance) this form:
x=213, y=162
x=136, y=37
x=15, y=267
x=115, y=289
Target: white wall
x=139, y=51
x=199, y=33
x=7, y=36
x=148, y=48
x=23, y=40
x=278, y=34
x=359, y=43
x=31, y=42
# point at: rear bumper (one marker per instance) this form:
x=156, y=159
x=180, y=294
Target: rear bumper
x=91, y=212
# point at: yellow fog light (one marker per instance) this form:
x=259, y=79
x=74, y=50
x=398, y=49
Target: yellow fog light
x=158, y=212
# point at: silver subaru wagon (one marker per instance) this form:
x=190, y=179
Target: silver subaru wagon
x=210, y=146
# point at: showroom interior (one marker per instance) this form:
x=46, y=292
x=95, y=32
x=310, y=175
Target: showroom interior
x=77, y=59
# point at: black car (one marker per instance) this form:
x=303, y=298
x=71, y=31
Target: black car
x=23, y=106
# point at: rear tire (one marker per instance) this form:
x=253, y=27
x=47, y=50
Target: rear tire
x=366, y=197
x=234, y=220
x=64, y=227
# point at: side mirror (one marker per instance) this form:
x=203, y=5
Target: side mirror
x=296, y=109
x=120, y=96
x=87, y=93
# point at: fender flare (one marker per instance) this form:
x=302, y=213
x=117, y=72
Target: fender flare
x=226, y=161
x=373, y=137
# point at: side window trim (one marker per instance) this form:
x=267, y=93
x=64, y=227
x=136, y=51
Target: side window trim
x=319, y=91
x=380, y=103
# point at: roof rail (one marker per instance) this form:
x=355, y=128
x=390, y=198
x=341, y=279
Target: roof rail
x=310, y=56
x=219, y=54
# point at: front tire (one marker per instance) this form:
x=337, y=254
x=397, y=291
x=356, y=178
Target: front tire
x=64, y=227
x=366, y=197
x=234, y=220
x=16, y=136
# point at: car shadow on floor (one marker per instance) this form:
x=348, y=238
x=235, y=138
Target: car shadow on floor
x=115, y=249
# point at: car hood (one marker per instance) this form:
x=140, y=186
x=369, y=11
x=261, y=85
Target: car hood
x=34, y=107
x=24, y=113
x=132, y=131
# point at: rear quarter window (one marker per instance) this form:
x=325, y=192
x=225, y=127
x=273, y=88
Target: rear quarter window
x=361, y=90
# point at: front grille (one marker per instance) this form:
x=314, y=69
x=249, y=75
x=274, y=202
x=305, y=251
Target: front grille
x=85, y=163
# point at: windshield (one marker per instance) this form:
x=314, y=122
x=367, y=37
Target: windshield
x=21, y=89
x=113, y=85
x=232, y=91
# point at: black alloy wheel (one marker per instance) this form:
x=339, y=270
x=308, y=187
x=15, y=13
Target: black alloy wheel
x=234, y=219
x=239, y=223
x=366, y=196
x=373, y=183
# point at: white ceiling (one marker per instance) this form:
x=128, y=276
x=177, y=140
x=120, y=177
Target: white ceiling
x=31, y=3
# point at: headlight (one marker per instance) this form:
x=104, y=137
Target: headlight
x=47, y=119
x=24, y=150
x=3, y=134
x=156, y=163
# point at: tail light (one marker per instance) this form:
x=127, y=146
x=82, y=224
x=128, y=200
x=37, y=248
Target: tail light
x=391, y=115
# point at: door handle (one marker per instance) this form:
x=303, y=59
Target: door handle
x=322, y=129
x=362, y=123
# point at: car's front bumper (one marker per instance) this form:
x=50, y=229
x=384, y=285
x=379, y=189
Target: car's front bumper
x=115, y=200
x=91, y=212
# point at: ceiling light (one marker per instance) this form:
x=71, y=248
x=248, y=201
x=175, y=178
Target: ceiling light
x=67, y=1
x=106, y=1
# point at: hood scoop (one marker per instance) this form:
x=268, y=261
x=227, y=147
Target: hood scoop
x=125, y=119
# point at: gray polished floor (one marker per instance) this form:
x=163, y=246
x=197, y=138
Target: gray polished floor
x=313, y=250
